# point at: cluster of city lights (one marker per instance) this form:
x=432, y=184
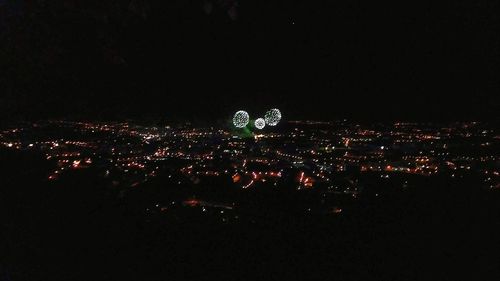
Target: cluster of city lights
x=272, y=117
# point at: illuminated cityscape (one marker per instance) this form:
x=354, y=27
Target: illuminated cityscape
x=331, y=157
x=157, y=140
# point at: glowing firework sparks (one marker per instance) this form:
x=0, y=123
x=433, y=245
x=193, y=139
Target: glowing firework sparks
x=273, y=117
x=260, y=123
x=241, y=119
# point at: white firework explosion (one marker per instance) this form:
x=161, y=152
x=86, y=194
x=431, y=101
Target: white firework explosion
x=260, y=123
x=241, y=119
x=273, y=117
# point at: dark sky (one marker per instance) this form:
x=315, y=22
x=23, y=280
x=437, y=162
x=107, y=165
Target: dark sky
x=189, y=59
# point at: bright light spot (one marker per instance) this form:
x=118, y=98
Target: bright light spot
x=260, y=123
x=273, y=117
x=241, y=119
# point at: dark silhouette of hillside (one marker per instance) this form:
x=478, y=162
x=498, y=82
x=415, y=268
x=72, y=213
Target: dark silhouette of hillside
x=83, y=228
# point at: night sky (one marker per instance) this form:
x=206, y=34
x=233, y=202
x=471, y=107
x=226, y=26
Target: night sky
x=203, y=60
